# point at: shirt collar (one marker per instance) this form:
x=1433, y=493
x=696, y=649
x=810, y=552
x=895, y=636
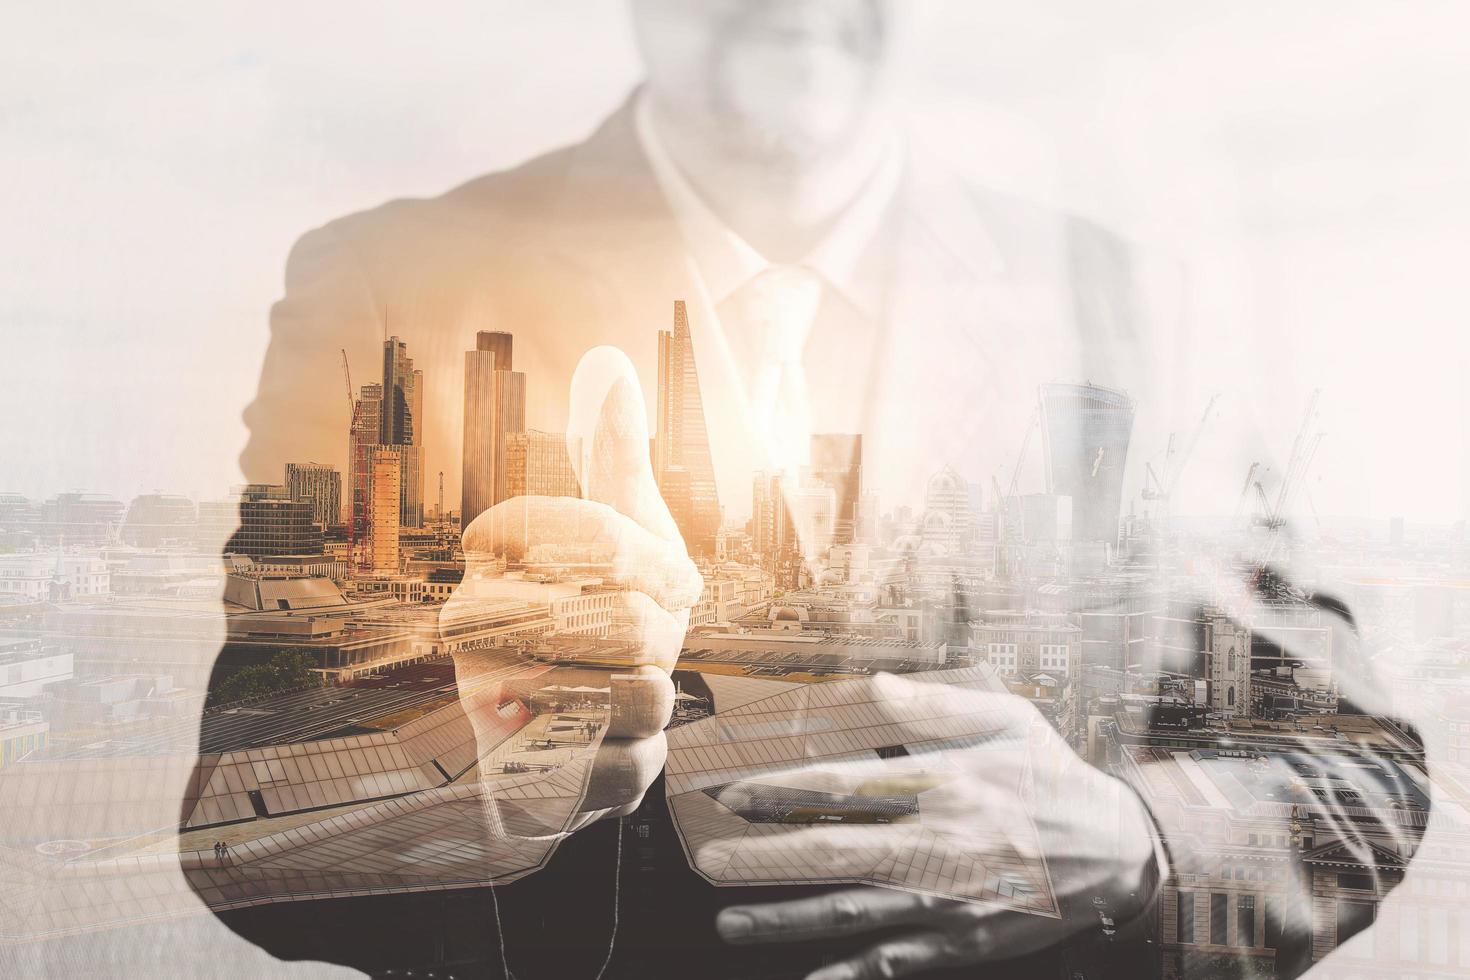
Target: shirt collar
x=726, y=261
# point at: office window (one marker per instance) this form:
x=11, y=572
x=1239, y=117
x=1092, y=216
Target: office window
x=1245, y=921
x=1185, y=919
x=1273, y=922
x=1362, y=882
x=1219, y=911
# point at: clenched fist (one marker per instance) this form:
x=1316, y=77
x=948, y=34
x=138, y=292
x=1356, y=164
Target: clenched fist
x=621, y=531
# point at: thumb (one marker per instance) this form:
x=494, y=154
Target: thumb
x=607, y=440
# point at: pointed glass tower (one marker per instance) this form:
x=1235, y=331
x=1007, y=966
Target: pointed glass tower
x=682, y=461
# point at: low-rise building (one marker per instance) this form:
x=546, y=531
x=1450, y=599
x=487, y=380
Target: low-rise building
x=53, y=576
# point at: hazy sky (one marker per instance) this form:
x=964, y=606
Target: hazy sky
x=1306, y=161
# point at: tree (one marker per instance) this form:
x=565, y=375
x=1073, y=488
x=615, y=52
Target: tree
x=288, y=670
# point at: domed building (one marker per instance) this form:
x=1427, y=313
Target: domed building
x=787, y=617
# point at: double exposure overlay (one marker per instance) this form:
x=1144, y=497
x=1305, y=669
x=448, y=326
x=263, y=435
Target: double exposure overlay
x=742, y=542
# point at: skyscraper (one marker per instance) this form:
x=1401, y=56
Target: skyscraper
x=402, y=426
x=537, y=464
x=837, y=462
x=773, y=531
x=947, y=518
x=1086, y=429
x=272, y=523
x=321, y=485
x=367, y=415
x=682, y=459
x=494, y=409
x=384, y=518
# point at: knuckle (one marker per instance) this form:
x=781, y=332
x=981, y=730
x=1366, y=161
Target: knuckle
x=846, y=911
x=886, y=963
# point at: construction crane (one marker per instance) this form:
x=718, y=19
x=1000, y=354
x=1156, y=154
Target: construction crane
x=347, y=377
x=1021, y=456
x=1303, y=451
x=1263, y=507
x=1245, y=490
x=1004, y=497
x=1199, y=428
x=1162, y=488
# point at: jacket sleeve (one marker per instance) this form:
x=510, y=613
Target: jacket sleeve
x=1284, y=845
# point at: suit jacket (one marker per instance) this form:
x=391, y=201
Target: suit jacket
x=578, y=248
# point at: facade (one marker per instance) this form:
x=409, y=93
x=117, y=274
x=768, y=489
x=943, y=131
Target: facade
x=947, y=518
x=812, y=512
x=402, y=426
x=837, y=462
x=80, y=517
x=590, y=613
x=22, y=733
x=1036, y=654
x=769, y=523
x=681, y=447
x=1016, y=642
x=1292, y=637
x=157, y=519
x=271, y=523
x=367, y=416
x=1086, y=430
x=538, y=464
x=790, y=642
x=1117, y=619
x=494, y=411
x=383, y=510
x=1281, y=861
x=27, y=666
x=49, y=576
x=1046, y=517
x=16, y=510
x=1209, y=646
x=321, y=566
x=322, y=485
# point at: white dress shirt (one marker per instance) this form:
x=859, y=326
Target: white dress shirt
x=764, y=395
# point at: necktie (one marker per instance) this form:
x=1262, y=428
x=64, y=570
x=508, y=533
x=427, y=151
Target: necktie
x=768, y=321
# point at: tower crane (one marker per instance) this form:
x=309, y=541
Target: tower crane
x=1161, y=489
x=1244, y=492
x=1303, y=448
x=1003, y=497
x=1021, y=456
x=1303, y=451
x=347, y=377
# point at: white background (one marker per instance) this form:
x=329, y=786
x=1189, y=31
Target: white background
x=1307, y=159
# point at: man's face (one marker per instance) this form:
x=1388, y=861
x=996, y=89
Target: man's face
x=776, y=82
